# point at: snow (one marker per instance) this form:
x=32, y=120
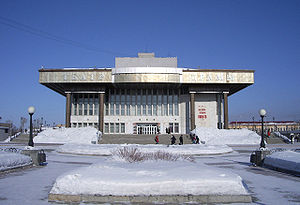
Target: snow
x=84, y=135
x=288, y=160
x=10, y=160
x=108, y=149
x=223, y=136
x=148, y=178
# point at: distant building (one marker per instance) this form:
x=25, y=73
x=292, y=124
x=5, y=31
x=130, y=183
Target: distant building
x=268, y=125
x=146, y=95
x=5, y=130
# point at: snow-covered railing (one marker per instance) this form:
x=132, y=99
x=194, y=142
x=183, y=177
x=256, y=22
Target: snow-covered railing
x=12, y=137
x=278, y=134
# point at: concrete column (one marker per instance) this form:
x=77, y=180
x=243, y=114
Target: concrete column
x=225, y=111
x=192, y=101
x=68, y=110
x=101, y=112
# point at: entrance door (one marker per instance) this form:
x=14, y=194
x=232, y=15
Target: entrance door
x=147, y=129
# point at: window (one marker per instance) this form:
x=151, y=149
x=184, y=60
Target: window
x=171, y=127
x=133, y=103
x=112, y=100
x=138, y=102
x=122, y=127
x=154, y=102
x=176, y=128
x=165, y=103
x=144, y=102
x=128, y=103
x=86, y=100
x=112, y=128
x=176, y=109
x=117, y=127
x=91, y=105
x=149, y=102
x=106, y=128
x=80, y=103
x=6, y=130
x=122, y=104
x=96, y=105
x=159, y=103
x=118, y=103
x=170, y=101
x=75, y=104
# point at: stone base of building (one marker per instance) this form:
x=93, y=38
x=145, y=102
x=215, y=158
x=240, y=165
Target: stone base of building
x=152, y=199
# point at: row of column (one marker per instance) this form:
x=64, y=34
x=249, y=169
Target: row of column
x=101, y=110
x=100, y=113
x=192, y=101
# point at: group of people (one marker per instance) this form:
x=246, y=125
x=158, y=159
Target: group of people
x=195, y=139
x=173, y=140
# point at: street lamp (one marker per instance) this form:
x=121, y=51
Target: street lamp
x=31, y=110
x=262, y=113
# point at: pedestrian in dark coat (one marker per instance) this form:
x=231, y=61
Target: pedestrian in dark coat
x=181, y=140
x=197, y=139
x=173, y=140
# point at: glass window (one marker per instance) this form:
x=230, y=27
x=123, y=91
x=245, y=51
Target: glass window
x=91, y=104
x=128, y=103
x=154, y=102
x=122, y=127
x=112, y=128
x=176, y=109
x=106, y=108
x=176, y=128
x=80, y=104
x=112, y=101
x=138, y=102
x=86, y=101
x=117, y=103
x=74, y=104
x=84, y=124
x=170, y=102
x=96, y=105
x=144, y=102
x=79, y=124
x=106, y=128
x=165, y=103
x=149, y=102
x=171, y=127
x=122, y=104
x=117, y=127
x=133, y=103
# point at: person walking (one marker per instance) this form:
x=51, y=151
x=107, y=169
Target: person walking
x=173, y=140
x=181, y=140
x=156, y=139
x=197, y=139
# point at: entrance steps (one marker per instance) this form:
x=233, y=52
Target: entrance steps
x=142, y=139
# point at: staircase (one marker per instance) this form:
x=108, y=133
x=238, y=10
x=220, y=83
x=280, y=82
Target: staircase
x=142, y=139
x=274, y=139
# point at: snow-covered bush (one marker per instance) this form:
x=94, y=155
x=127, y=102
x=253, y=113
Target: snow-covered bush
x=131, y=154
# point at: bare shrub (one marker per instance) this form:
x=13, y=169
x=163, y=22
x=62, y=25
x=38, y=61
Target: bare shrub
x=131, y=154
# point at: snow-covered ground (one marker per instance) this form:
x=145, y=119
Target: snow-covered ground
x=148, y=178
x=84, y=135
x=223, y=136
x=286, y=160
x=108, y=149
x=10, y=160
x=265, y=185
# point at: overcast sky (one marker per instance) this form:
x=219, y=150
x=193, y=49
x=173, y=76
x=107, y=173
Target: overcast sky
x=240, y=34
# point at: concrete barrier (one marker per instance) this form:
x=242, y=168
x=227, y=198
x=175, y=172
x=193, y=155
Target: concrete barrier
x=151, y=199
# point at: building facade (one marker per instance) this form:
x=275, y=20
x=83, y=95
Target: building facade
x=146, y=95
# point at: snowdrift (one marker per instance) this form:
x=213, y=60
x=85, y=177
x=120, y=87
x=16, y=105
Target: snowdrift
x=222, y=136
x=84, y=135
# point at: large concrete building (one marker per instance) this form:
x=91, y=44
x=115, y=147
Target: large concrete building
x=146, y=95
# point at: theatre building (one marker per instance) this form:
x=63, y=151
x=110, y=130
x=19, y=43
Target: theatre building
x=146, y=95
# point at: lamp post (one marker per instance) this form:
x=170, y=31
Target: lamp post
x=31, y=110
x=262, y=113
